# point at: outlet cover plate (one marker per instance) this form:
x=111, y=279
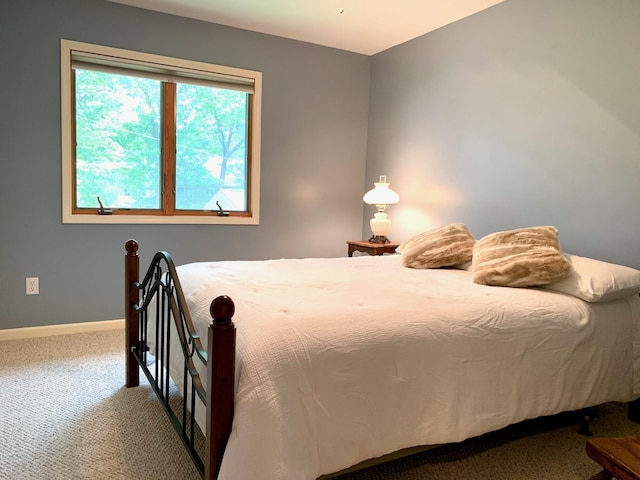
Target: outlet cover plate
x=33, y=286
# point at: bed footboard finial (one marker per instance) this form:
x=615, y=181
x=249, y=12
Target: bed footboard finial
x=222, y=309
x=221, y=368
x=132, y=247
x=132, y=296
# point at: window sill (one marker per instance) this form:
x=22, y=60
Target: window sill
x=159, y=220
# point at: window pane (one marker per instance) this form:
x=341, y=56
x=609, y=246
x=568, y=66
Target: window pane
x=118, y=141
x=211, y=148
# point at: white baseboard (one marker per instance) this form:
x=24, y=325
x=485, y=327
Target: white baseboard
x=64, y=329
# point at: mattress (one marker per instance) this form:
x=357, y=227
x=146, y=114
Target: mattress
x=346, y=359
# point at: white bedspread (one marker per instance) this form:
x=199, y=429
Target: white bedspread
x=345, y=359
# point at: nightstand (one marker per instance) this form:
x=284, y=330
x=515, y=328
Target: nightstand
x=370, y=247
x=618, y=457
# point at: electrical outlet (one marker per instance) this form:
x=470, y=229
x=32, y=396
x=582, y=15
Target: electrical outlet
x=33, y=287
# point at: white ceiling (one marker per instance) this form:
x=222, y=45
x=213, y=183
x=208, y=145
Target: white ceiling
x=362, y=26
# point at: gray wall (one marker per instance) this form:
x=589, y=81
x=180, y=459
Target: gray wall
x=527, y=113
x=314, y=124
x=523, y=114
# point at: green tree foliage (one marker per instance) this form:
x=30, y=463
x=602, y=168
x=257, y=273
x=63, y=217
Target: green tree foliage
x=118, y=135
x=117, y=140
x=211, y=130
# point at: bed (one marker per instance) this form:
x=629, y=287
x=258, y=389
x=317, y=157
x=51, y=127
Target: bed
x=300, y=368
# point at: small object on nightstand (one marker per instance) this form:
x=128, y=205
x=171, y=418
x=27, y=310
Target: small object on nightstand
x=370, y=247
x=380, y=196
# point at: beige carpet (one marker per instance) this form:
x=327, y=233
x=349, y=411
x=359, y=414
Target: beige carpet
x=65, y=414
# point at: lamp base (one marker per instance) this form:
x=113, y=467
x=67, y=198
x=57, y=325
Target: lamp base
x=379, y=239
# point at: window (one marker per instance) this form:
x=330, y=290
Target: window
x=152, y=139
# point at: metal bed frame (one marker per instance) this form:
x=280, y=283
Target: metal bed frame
x=158, y=301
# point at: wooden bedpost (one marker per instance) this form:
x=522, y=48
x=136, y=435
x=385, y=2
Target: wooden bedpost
x=221, y=351
x=131, y=296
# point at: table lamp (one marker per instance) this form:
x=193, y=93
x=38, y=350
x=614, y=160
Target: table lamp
x=380, y=196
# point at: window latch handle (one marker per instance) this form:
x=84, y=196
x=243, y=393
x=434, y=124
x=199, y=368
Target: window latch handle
x=221, y=213
x=102, y=210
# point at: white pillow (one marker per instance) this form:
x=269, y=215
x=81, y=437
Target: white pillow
x=597, y=281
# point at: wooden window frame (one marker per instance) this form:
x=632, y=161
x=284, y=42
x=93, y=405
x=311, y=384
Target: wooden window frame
x=167, y=213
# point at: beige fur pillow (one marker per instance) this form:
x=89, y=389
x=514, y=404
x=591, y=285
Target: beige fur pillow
x=443, y=247
x=519, y=258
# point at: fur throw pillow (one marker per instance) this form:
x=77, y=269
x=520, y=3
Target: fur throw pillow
x=519, y=258
x=446, y=246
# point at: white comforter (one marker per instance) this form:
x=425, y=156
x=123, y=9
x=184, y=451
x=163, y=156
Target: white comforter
x=345, y=359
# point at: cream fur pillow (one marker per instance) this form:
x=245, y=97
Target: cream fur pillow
x=446, y=246
x=519, y=258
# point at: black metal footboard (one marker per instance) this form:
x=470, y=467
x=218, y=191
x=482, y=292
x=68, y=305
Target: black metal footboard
x=163, y=316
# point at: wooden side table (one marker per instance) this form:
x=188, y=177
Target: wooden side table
x=620, y=457
x=370, y=247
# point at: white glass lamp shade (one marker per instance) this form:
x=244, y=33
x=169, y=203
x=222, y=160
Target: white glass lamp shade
x=380, y=196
